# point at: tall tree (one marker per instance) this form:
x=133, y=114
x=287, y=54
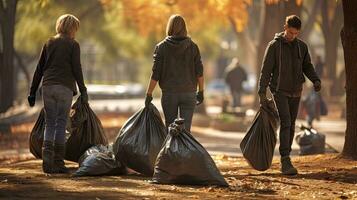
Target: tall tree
x=349, y=43
x=332, y=19
x=7, y=28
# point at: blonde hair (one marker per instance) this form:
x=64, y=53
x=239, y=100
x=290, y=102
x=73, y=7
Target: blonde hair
x=67, y=24
x=176, y=26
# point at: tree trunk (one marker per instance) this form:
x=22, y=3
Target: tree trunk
x=21, y=65
x=311, y=19
x=331, y=48
x=349, y=43
x=7, y=81
x=330, y=29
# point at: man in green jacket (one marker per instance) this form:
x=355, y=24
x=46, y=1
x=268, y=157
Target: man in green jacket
x=285, y=63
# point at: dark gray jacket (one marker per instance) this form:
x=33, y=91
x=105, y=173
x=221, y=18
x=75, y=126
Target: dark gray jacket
x=59, y=64
x=177, y=65
x=284, y=66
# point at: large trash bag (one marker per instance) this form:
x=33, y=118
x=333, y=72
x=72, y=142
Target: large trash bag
x=86, y=131
x=310, y=141
x=37, y=135
x=259, y=143
x=140, y=140
x=183, y=160
x=99, y=160
x=83, y=131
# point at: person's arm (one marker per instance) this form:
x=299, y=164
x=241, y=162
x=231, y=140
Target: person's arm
x=155, y=76
x=77, y=68
x=200, y=83
x=37, y=77
x=198, y=66
x=157, y=65
x=199, y=75
x=267, y=69
x=151, y=87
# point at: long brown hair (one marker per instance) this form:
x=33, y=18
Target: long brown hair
x=176, y=26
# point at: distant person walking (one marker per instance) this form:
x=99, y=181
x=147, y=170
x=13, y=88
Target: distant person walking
x=285, y=63
x=59, y=68
x=178, y=69
x=319, y=66
x=235, y=76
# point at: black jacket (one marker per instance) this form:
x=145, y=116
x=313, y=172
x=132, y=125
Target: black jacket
x=59, y=64
x=177, y=65
x=284, y=66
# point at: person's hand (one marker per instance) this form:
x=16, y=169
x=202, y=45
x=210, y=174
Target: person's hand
x=148, y=99
x=84, y=97
x=317, y=86
x=263, y=100
x=31, y=99
x=199, y=97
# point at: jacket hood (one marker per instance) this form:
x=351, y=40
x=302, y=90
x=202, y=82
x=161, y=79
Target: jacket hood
x=279, y=36
x=178, y=43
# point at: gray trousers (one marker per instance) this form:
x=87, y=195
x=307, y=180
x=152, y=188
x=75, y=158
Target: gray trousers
x=57, y=101
x=287, y=108
x=173, y=102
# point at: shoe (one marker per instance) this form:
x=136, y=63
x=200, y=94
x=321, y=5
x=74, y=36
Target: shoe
x=287, y=167
x=47, y=157
x=59, y=165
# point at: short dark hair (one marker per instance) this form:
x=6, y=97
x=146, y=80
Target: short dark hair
x=293, y=21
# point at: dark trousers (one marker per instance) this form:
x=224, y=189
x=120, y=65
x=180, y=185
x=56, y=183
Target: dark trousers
x=236, y=97
x=287, y=108
x=174, y=102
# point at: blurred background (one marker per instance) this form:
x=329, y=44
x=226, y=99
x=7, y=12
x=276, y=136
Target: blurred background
x=118, y=37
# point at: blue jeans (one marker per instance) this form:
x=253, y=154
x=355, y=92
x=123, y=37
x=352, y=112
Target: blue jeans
x=173, y=102
x=57, y=101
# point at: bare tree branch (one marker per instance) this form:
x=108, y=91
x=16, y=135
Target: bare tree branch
x=2, y=11
x=311, y=19
x=325, y=20
x=23, y=67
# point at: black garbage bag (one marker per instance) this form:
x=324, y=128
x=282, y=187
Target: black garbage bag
x=259, y=143
x=86, y=131
x=99, y=160
x=140, y=140
x=310, y=141
x=37, y=135
x=183, y=160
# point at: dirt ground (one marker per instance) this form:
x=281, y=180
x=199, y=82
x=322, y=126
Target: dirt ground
x=321, y=177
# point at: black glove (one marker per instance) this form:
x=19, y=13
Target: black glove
x=263, y=100
x=148, y=99
x=84, y=97
x=31, y=99
x=317, y=86
x=199, y=97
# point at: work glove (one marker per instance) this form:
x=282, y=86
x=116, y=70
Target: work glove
x=31, y=99
x=263, y=100
x=84, y=97
x=148, y=100
x=199, y=97
x=317, y=86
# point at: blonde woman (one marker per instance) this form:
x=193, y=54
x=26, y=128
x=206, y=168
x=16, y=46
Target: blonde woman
x=178, y=69
x=59, y=68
